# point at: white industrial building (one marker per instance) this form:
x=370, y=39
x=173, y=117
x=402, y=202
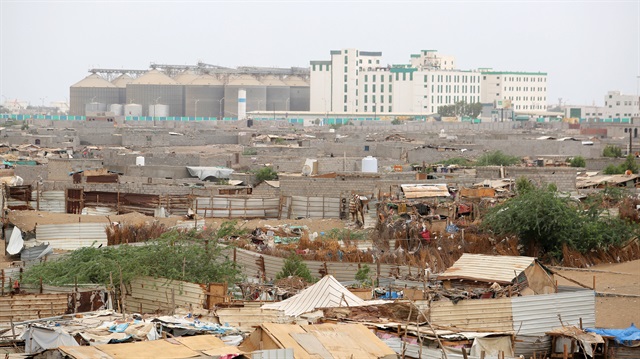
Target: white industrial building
x=525, y=91
x=359, y=81
x=616, y=106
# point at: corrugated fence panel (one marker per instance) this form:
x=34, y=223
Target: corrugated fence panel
x=32, y=306
x=342, y=271
x=159, y=294
x=52, y=201
x=486, y=314
x=537, y=314
x=228, y=207
x=314, y=207
x=72, y=236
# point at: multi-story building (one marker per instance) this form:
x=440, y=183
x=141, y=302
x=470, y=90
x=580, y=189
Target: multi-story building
x=616, y=106
x=358, y=81
x=526, y=91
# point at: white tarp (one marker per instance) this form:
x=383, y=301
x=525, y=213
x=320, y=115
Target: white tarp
x=203, y=172
x=492, y=346
x=15, y=241
x=40, y=339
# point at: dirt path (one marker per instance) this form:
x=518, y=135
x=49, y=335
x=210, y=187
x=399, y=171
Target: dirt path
x=619, y=278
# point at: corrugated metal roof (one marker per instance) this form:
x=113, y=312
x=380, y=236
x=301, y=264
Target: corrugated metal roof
x=486, y=268
x=122, y=81
x=72, y=236
x=154, y=77
x=425, y=191
x=486, y=314
x=327, y=293
x=537, y=314
x=94, y=80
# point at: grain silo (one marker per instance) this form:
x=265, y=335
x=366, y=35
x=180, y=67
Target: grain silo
x=278, y=93
x=256, y=94
x=121, y=83
x=204, y=96
x=92, y=89
x=299, y=93
x=185, y=77
x=154, y=87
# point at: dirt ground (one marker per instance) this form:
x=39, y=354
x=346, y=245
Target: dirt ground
x=619, y=278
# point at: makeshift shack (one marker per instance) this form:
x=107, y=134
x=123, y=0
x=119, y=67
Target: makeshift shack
x=512, y=275
x=319, y=341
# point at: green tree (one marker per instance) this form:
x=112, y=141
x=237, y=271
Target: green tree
x=544, y=221
x=362, y=275
x=613, y=170
x=497, y=158
x=630, y=164
x=523, y=185
x=396, y=121
x=612, y=151
x=294, y=266
x=175, y=255
x=266, y=174
x=577, y=161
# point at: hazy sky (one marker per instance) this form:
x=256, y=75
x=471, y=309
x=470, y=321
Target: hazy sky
x=586, y=47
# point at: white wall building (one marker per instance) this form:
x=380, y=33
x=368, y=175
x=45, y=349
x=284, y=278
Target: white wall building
x=527, y=91
x=616, y=106
x=357, y=81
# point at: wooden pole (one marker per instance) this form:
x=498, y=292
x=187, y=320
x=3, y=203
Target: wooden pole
x=565, y=353
x=464, y=353
x=594, y=282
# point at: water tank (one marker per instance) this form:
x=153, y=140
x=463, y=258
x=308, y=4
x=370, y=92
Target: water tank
x=370, y=164
x=158, y=110
x=140, y=161
x=242, y=104
x=133, y=109
x=117, y=109
x=95, y=107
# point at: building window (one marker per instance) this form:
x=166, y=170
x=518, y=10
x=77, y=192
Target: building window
x=366, y=78
x=365, y=108
x=373, y=88
x=346, y=60
x=373, y=78
x=345, y=87
x=389, y=108
x=390, y=88
x=369, y=60
x=366, y=88
x=313, y=67
x=390, y=99
x=381, y=98
x=366, y=100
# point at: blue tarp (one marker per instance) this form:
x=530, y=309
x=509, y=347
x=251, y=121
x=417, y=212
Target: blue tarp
x=622, y=336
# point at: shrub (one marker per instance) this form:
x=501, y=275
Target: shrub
x=577, y=161
x=497, y=158
x=266, y=174
x=612, y=151
x=295, y=267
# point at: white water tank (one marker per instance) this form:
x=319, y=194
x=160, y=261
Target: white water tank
x=140, y=161
x=158, y=110
x=133, y=109
x=117, y=109
x=370, y=164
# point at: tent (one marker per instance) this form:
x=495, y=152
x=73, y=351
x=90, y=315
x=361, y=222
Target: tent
x=327, y=293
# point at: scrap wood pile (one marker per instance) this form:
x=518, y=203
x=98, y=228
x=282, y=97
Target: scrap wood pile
x=390, y=312
x=281, y=289
x=133, y=233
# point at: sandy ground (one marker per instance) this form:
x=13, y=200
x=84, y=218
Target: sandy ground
x=621, y=279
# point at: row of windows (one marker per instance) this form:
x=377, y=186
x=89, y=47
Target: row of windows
x=444, y=99
x=525, y=89
x=456, y=88
x=376, y=109
x=626, y=103
x=521, y=79
x=527, y=98
x=318, y=67
x=373, y=88
x=373, y=99
x=453, y=78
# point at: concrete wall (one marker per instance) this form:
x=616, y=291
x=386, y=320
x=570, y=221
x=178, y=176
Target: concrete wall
x=59, y=169
x=31, y=174
x=563, y=177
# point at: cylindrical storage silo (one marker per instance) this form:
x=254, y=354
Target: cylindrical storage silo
x=140, y=161
x=242, y=104
x=93, y=88
x=155, y=87
x=370, y=164
x=117, y=109
x=133, y=109
x=158, y=110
